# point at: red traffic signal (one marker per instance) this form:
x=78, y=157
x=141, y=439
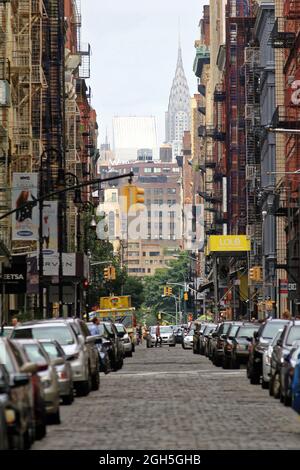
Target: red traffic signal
x=85, y=284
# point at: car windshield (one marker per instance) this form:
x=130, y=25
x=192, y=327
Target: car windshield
x=6, y=332
x=166, y=329
x=52, y=350
x=6, y=359
x=224, y=328
x=247, y=331
x=233, y=330
x=120, y=328
x=61, y=334
x=191, y=332
x=271, y=328
x=34, y=354
x=294, y=335
x=209, y=329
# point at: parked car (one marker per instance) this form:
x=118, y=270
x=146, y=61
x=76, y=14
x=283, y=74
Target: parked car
x=151, y=338
x=287, y=373
x=4, y=403
x=6, y=331
x=63, y=370
x=103, y=345
x=22, y=395
x=217, y=344
x=73, y=345
x=118, y=350
x=240, y=344
x=35, y=353
x=290, y=333
x=228, y=344
x=125, y=339
x=260, y=342
x=296, y=387
x=8, y=411
x=206, y=336
x=188, y=338
x=266, y=362
x=84, y=336
x=198, y=332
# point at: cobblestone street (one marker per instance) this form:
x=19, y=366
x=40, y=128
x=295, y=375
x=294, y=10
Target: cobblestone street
x=168, y=398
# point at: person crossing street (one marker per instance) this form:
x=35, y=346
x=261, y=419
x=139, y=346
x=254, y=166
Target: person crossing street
x=157, y=334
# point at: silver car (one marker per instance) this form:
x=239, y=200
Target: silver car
x=63, y=370
x=125, y=339
x=266, y=362
x=167, y=335
x=35, y=353
x=188, y=340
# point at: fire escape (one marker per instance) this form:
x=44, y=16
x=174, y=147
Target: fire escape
x=286, y=37
x=5, y=103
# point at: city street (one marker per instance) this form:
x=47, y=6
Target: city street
x=169, y=398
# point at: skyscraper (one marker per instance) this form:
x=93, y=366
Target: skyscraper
x=178, y=116
x=131, y=133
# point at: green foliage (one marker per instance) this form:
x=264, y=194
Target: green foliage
x=177, y=273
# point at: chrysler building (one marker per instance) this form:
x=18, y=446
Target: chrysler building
x=178, y=116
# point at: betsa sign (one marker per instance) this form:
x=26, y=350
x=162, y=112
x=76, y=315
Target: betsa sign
x=228, y=243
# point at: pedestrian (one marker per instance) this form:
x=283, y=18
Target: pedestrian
x=157, y=334
x=140, y=333
x=15, y=322
x=94, y=330
x=286, y=315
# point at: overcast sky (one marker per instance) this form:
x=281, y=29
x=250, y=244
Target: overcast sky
x=134, y=52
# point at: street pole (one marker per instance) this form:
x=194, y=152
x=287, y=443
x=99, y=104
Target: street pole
x=215, y=275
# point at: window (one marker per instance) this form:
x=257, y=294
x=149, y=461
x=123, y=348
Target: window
x=157, y=170
x=133, y=253
x=148, y=170
x=154, y=253
x=171, y=191
x=158, y=191
x=176, y=170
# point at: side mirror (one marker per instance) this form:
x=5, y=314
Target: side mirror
x=214, y=335
x=223, y=337
x=255, y=335
x=29, y=368
x=58, y=362
x=279, y=342
x=231, y=337
x=4, y=388
x=90, y=339
x=249, y=339
x=20, y=380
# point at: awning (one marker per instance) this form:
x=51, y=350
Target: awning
x=207, y=286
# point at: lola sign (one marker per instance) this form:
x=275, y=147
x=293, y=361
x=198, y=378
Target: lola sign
x=229, y=243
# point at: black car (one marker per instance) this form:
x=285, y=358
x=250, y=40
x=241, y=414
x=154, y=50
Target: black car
x=115, y=346
x=240, y=344
x=258, y=346
x=217, y=343
x=198, y=330
x=290, y=334
x=228, y=344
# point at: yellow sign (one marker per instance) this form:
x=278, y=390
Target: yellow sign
x=115, y=303
x=229, y=243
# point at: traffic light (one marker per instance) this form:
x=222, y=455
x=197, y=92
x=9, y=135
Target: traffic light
x=106, y=274
x=186, y=296
x=138, y=195
x=112, y=273
x=85, y=284
x=159, y=316
x=255, y=273
x=131, y=195
x=168, y=291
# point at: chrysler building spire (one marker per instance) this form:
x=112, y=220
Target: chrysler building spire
x=178, y=116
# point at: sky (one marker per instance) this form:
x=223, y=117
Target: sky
x=134, y=53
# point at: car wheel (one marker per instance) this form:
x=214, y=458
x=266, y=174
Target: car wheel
x=96, y=380
x=287, y=401
x=82, y=388
x=264, y=384
x=276, y=386
x=56, y=417
x=225, y=364
x=68, y=399
x=40, y=431
x=183, y=345
x=172, y=345
x=129, y=354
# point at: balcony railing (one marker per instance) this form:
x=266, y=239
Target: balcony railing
x=283, y=34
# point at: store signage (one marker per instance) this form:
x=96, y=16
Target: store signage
x=229, y=243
